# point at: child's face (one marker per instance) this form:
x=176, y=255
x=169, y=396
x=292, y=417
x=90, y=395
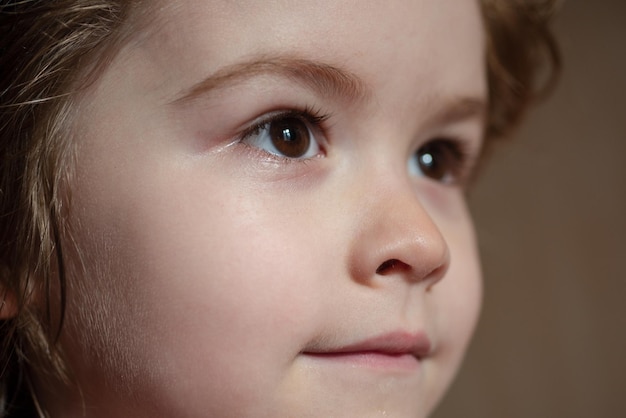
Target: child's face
x=337, y=278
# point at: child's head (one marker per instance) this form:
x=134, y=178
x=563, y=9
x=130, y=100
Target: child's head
x=231, y=208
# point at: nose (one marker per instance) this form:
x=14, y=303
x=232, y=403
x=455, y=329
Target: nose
x=396, y=237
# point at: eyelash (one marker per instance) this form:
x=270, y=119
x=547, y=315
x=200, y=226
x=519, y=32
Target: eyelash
x=454, y=156
x=312, y=116
x=314, y=119
x=458, y=156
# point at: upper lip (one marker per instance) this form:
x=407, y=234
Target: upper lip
x=392, y=343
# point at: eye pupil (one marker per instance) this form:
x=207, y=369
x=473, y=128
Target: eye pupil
x=427, y=159
x=432, y=162
x=290, y=136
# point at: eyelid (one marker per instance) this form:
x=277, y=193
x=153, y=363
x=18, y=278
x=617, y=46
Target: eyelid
x=314, y=118
x=465, y=157
x=465, y=160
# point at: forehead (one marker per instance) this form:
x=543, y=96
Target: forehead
x=392, y=45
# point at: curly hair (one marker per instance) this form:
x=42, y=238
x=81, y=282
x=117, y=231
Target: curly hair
x=523, y=60
x=49, y=51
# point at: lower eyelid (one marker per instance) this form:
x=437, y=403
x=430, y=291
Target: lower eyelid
x=264, y=156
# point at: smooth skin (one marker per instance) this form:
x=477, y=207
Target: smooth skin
x=217, y=259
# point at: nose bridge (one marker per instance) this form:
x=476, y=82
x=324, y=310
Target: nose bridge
x=395, y=236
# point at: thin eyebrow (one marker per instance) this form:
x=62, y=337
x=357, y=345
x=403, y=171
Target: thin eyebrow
x=461, y=108
x=324, y=79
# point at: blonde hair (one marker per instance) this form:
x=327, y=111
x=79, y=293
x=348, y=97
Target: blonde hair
x=49, y=50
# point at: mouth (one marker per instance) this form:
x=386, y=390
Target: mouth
x=395, y=351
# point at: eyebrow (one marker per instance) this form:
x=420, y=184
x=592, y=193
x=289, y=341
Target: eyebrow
x=461, y=108
x=324, y=79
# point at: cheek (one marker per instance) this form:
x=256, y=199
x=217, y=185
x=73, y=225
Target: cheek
x=229, y=251
x=459, y=299
x=462, y=292
x=459, y=295
x=184, y=281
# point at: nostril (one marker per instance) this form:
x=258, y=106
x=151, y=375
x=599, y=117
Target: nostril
x=390, y=266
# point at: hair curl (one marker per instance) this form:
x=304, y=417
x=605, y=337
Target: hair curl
x=523, y=60
x=48, y=49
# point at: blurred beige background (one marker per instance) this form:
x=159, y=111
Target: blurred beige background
x=551, y=214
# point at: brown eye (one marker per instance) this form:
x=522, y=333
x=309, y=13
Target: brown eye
x=439, y=160
x=290, y=137
x=286, y=135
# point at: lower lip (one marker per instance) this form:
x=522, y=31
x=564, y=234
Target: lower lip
x=372, y=359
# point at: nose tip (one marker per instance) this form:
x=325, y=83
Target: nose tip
x=417, y=262
x=427, y=272
x=399, y=238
